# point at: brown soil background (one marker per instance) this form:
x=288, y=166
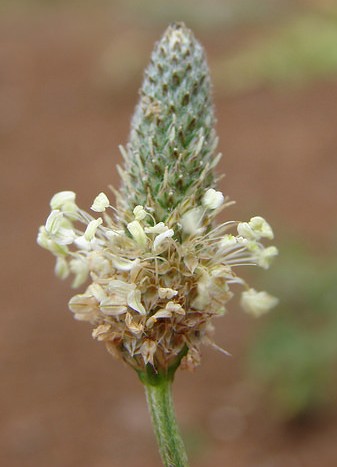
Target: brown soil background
x=64, y=401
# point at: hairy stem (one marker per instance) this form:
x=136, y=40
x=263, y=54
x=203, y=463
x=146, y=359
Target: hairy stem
x=160, y=403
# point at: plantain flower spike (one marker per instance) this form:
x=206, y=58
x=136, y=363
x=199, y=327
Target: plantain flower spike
x=170, y=154
x=157, y=267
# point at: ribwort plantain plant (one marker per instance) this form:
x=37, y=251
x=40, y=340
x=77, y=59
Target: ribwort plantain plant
x=158, y=266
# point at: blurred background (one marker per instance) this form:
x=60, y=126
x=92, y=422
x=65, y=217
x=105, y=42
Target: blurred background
x=69, y=77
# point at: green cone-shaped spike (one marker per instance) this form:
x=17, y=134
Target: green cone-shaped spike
x=172, y=139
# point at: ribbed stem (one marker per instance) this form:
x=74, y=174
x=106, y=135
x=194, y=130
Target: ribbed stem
x=160, y=403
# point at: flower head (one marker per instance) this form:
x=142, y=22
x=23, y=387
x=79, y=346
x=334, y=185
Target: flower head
x=158, y=267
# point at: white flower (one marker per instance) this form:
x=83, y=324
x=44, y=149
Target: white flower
x=91, y=229
x=257, y=303
x=61, y=267
x=82, y=305
x=133, y=326
x=255, y=229
x=79, y=267
x=101, y=331
x=56, y=232
x=203, y=298
x=147, y=351
x=261, y=227
x=166, y=292
x=161, y=238
x=157, y=229
x=191, y=221
x=266, y=255
x=139, y=213
x=99, y=264
x=101, y=202
x=120, y=287
x=171, y=307
x=121, y=294
x=97, y=291
x=191, y=261
x=163, y=313
x=109, y=307
x=175, y=308
x=245, y=230
x=83, y=244
x=64, y=201
x=134, y=301
x=54, y=221
x=137, y=232
x=228, y=240
x=44, y=240
x=212, y=199
x=123, y=264
x=113, y=234
x=65, y=236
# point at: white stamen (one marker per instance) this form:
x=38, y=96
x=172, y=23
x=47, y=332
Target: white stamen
x=257, y=303
x=213, y=199
x=101, y=202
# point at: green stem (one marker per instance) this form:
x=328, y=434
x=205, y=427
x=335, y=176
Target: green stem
x=160, y=403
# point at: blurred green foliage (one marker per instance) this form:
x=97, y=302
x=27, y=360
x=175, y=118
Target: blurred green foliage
x=295, y=354
x=302, y=50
